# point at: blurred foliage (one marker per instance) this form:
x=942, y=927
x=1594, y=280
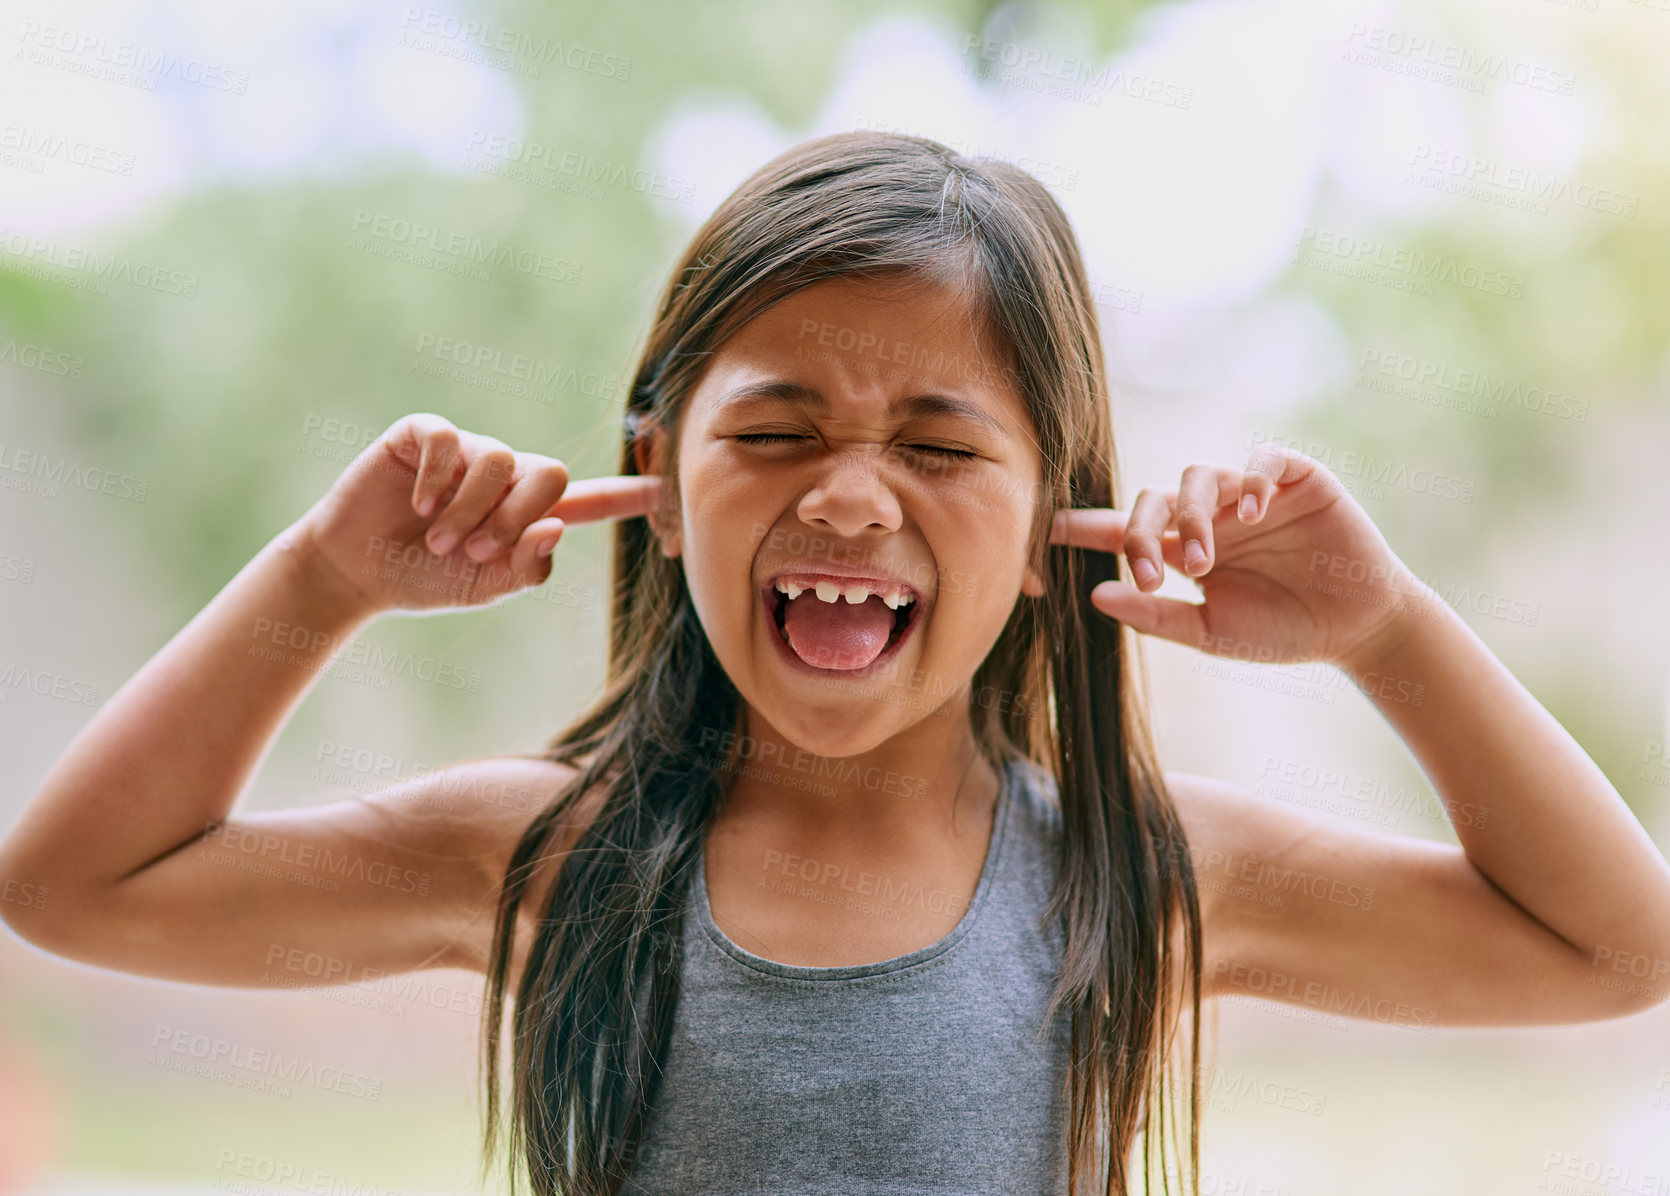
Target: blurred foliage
x=207, y=397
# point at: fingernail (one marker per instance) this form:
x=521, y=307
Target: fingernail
x=1249, y=506
x=426, y=505
x=442, y=544
x=1193, y=555
x=1145, y=572
x=480, y=546
x=547, y=546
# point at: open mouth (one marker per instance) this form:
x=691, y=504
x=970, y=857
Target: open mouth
x=902, y=623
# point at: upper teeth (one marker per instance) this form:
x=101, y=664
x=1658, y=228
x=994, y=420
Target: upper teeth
x=855, y=592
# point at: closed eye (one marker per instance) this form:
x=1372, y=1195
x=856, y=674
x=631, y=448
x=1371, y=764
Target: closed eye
x=778, y=437
x=766, y=437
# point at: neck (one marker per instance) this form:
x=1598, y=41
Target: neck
x=930, y=776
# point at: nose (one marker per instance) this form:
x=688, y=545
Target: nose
x=850, y=496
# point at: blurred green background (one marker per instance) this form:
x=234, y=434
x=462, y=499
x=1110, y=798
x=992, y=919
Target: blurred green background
x=1426, y=242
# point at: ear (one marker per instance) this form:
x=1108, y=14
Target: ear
x=1032, y=581
x=649, y=453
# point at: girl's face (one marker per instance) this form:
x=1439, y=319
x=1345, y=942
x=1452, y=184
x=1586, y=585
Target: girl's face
x=869, y=436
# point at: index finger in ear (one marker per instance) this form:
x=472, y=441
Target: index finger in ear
x=1098, y=528
x=623, y=497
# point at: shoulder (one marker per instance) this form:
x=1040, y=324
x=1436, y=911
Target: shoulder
x=1220, y=821
x=475, y=812
x=1212, y=811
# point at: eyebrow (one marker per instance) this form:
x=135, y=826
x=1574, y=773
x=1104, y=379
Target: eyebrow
x=911, y=406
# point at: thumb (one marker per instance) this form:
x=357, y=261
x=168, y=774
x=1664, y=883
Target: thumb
x=1167, y=618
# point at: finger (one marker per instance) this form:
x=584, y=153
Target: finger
x=490, y=472
x=1151, y=515
x=531, y=559
x=591, y=499
x=1203, y=490
x=540, y=481
x=1269, y=466
x=1102, y=529
x=523, y=566
x=439, y=462
x=1166, y=618
x=1098, y=528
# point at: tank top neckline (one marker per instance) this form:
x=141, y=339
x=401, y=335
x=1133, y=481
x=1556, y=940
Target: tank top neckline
x=772, y=967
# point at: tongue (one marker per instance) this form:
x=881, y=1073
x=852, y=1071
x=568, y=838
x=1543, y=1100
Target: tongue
x=837, y=635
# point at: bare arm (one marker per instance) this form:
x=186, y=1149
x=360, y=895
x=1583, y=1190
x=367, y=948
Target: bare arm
x=1554, y=909
x=169, y=753
x=130, y=835
x=129, y=839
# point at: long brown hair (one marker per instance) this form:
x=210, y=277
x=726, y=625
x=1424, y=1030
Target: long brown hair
x=593, y=1011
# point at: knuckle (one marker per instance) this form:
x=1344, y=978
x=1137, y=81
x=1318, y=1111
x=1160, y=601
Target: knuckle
x=443, y=446
x=495, y=463
x=500, y=528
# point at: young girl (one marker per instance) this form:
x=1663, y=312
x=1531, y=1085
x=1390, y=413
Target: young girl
x=861, y=875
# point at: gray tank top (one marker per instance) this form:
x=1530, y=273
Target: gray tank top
x=932, y=1072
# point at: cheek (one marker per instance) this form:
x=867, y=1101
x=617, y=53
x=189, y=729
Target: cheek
x=720, y=533
x=983, y=546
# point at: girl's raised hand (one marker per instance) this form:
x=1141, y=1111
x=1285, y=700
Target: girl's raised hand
x=1290, y=566
x=432, y=516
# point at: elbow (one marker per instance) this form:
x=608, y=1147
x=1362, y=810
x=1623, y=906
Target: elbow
x=33, y=907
